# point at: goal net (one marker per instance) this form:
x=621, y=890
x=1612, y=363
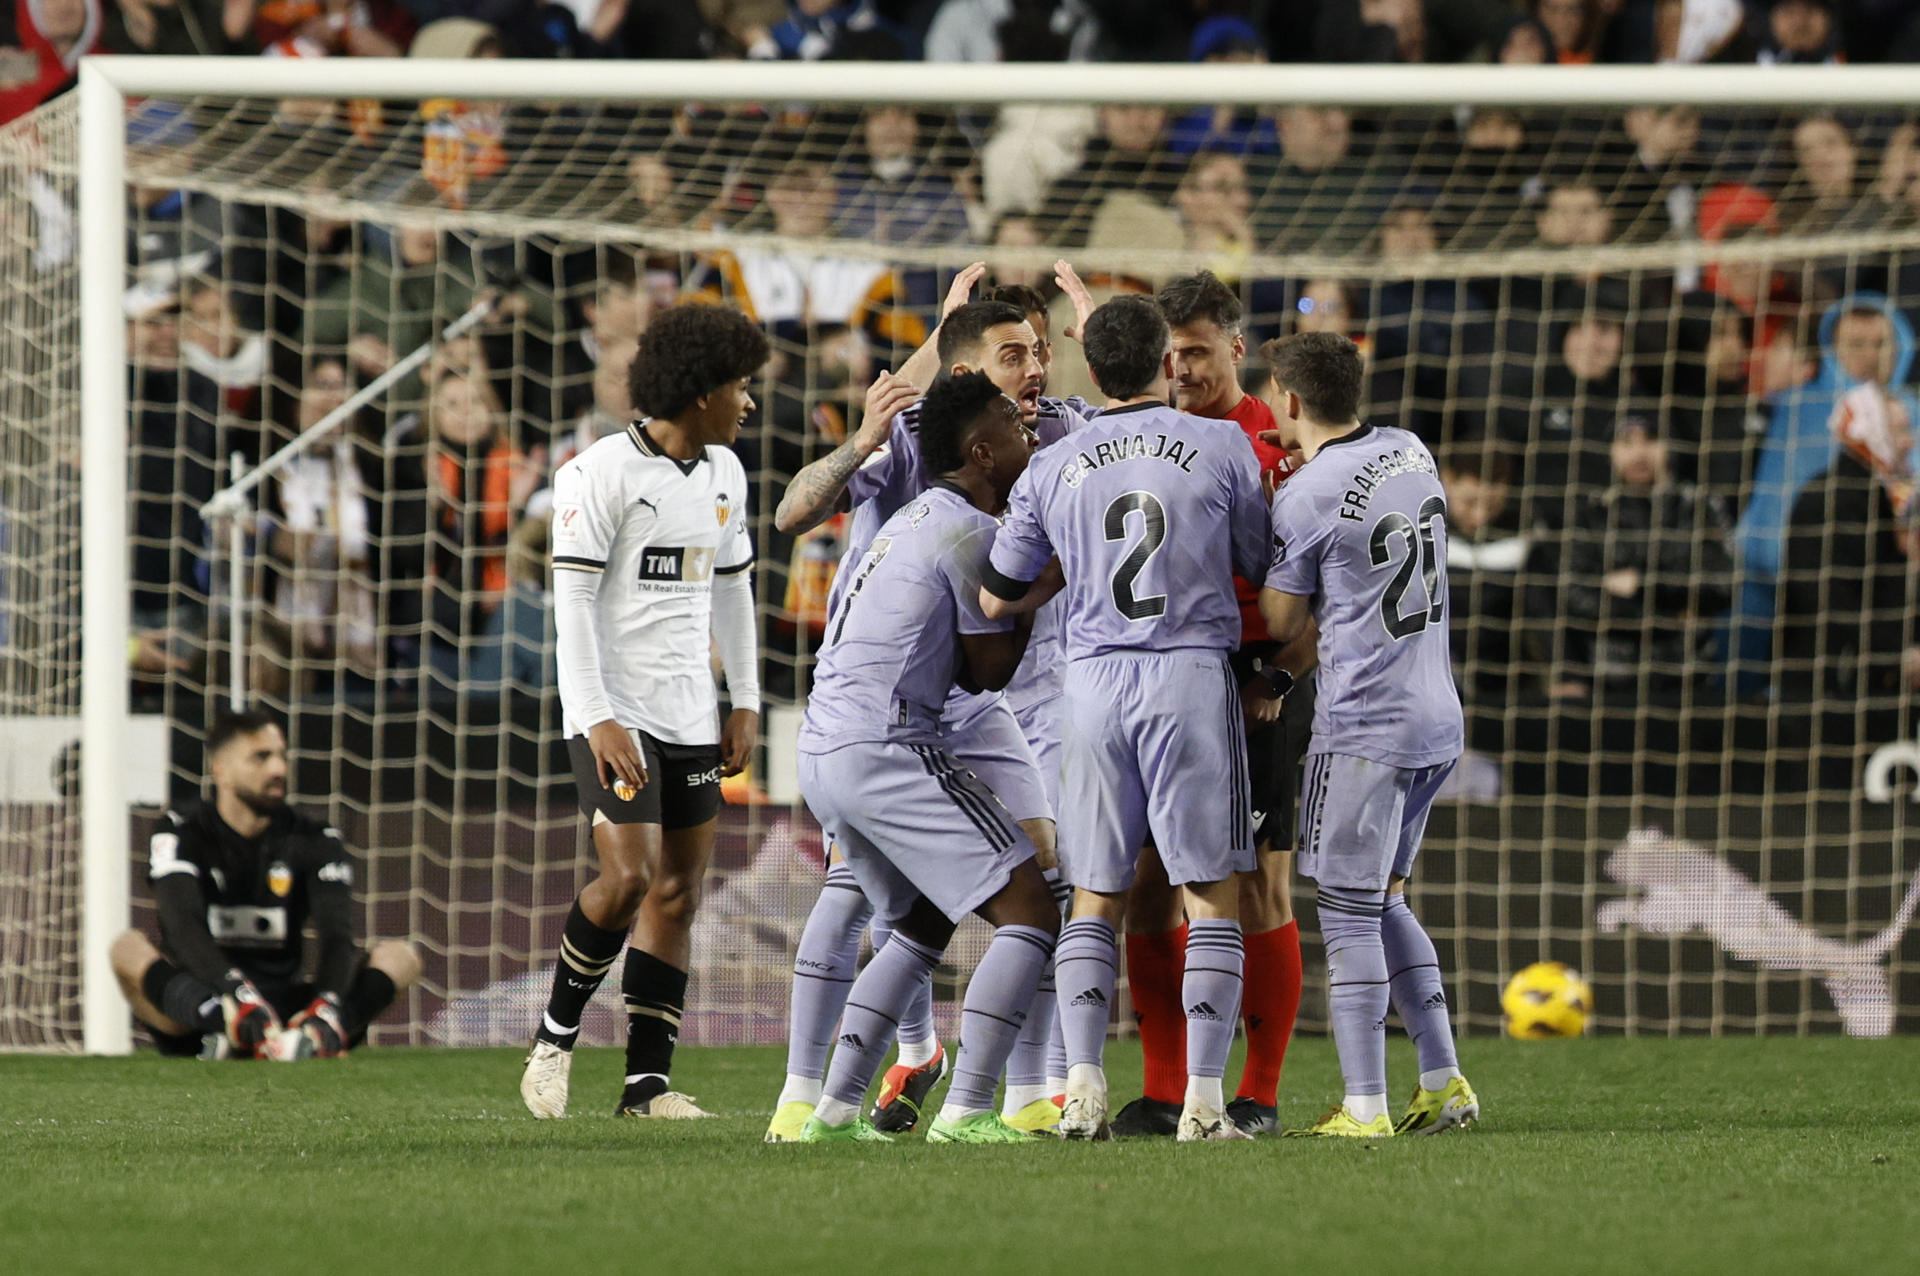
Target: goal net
x=1663, y=352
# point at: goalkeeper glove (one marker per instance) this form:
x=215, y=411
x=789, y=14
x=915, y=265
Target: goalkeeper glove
x=324, y=1025
x=250, y=1021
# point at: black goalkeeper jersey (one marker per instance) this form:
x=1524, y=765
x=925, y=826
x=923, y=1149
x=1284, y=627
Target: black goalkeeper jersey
x=234, y=908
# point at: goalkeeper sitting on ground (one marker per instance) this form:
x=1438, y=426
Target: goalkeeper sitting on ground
x=236, y=881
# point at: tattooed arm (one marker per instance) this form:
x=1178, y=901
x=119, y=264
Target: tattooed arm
x=819, y=490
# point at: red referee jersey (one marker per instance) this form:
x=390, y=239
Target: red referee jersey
x=1253, y=415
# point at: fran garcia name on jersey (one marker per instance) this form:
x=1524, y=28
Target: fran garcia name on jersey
x=1128, y=447
x=1370, y=474
x=673, y=568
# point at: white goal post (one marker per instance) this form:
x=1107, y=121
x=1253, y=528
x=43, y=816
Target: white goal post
x=108, y=84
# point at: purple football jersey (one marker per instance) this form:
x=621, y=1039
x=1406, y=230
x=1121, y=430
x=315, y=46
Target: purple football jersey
x=893, y=643
x=1362, y=530
x=1151, y=512
x=891, y=477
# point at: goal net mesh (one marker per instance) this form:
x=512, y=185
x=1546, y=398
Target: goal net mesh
x=1665, y=357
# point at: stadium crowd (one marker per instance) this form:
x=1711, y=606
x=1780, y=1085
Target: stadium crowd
x=1676, y=487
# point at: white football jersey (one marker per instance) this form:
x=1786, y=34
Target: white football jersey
x=656, y=530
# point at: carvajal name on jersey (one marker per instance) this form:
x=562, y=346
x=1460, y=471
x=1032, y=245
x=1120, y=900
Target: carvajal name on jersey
x=1369, y=476
x=1129, y=447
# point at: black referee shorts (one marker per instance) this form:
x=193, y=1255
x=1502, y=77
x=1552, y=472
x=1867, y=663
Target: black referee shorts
x=682, y=790
x=1275, y=752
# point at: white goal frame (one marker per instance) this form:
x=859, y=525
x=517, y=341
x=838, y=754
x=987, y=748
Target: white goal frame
x=106, y=84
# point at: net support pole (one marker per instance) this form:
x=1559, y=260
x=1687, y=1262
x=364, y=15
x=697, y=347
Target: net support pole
x=104, y=628
x=237, y=599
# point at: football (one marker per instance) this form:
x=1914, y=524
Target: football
x=1547, y=999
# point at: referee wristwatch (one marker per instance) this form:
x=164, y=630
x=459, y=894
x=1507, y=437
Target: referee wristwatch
x=1278, y=680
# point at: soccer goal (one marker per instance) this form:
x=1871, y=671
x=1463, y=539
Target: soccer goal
x=1657, y=323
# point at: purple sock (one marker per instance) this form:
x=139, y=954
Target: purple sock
x=1084, y=972
x=874, y=1006
x=1210, y=990
x=1027, y=1065
x=999, y=997
x=1357, y=990
x=917, y=1023
x=1419, y=998
x=823, y=971
x=1056, y=1039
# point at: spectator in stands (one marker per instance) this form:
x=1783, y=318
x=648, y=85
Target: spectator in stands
x=1573, y=215
x=1225, y=39
x=1020, y=230
x=1479, y=168
x=1848, y=621
x=322, y=612
x=173, y=469
x=181, y=27
x=1526, y=43
x=41, y=44
x=1562, y=413
x=813, y=29
x=1315, y=187
x=891, y=193
x=1731, y=212
x=1213, y=202
x=1011, y=31
x=1864, y=340
x=333, y=28
x=1687, y=33
x=477, y=489
x=1643, y=562
x=1716, y=425
x=1821, y=196
x=1574, y=28
x=1423, y=330
x=1801, y=31
x=1127, y=155
x=1656, y=192
x=1486, y=548
x=214, y=344
x=788, y=293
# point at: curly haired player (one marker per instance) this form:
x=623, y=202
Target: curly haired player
x=651, y=556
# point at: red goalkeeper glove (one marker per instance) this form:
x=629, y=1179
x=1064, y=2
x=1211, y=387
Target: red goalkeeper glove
x=250, y=1021
x=322, y=1022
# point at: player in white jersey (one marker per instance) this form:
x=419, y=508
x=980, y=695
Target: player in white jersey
x=651, y=559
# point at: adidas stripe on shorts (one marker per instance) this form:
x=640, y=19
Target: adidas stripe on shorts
x=913, y=820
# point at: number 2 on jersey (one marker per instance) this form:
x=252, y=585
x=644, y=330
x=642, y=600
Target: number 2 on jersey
x=1421, y=552
x=1153, y=534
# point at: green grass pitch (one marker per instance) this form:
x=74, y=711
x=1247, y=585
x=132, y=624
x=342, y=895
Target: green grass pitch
x=1641, y=1156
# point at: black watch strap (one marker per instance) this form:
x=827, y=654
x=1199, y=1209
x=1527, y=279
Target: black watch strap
x=1278, y=679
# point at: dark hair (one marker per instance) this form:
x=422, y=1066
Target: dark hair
x=952, y=406
x=618, y=269
x=230, y=726
x=962, y=331
x=1323, y=368
x=1022, y=297
x=1126, y=341
x=1477, y=457
x=690, y=350
x=1192, y=298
